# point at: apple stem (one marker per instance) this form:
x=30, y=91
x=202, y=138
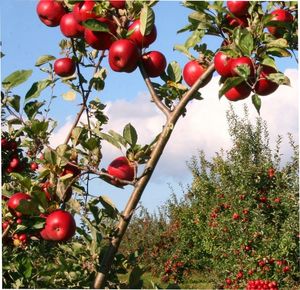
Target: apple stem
x=143, y=181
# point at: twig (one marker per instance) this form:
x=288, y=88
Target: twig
x=85, y=94
x=154, y=96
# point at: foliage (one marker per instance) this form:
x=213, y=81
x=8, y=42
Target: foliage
x=239, y=217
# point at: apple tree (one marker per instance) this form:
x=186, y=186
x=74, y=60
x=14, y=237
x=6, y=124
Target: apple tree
x=43, y=187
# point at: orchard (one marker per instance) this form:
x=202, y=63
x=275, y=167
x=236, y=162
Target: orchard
x=56, y=234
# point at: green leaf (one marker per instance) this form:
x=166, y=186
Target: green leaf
x=183, y=49
x=95, y=25
x=50, y=156
x=130, y=135
x=280, y=42
x=37, y=88
x=24, y=181
x=32, y=108
x=25, y=267
x=118, y=137
x=108, y=205
x=243, y=71
x=16, y=78
x=14, y=101
x=147, y=19
x=230, y=83
x=246, y=43
x=256, y=101
x=27, y=207
x=194, y=39
x=174, y=71
x=76, y=132
x=109, y=139
x=279, y=78
x=44, y=59
x=269, y=61
x=277, y=51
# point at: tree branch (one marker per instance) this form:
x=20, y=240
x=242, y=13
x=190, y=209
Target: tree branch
x=85, y=95
x=142, y=183
x=154, y=96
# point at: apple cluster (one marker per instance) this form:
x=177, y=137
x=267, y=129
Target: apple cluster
x=261, y=284
x=124, y=53
x=228, y=66
x=59, y=224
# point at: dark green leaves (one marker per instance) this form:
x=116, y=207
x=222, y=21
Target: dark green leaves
x=37, y=88
x=130, y=135
x=95, y=25
x=16, y=78
x=147, y=19
x=32, y=108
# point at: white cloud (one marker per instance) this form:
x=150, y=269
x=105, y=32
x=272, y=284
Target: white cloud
x=204, y=127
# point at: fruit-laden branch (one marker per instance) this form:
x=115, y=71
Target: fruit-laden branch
x=155, y=98
x=85, y=96
x=142, y=183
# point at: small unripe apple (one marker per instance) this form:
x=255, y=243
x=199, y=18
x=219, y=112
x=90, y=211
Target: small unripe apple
x=154, y=63
x=238, y=8
x=101, y=40
x=84, y=10
x=64, y=67
x=123, y=56
x=265, y=87
x=283, y=16
x=137, y=37
x=60, y=226
x=70, y=27
x=118, y=4
x=50, y=12
x=14, y=202
x=122, y=169
x=192, y=71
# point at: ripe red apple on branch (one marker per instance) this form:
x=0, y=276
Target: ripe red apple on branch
x=154, y=63
x=50, y=12
x=192, y=71
x=137, y=37
x=64, y=67
x=14, y=202
x=70, y=27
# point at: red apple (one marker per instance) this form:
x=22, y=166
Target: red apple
x=283, y=16
x=34, y=166
x=14, y=202
x=123, y=56
x=14, y=162
x=84, y=10
x=122, y=169
x=118, y=4
x=136, y=36
x=264, y=86
x=60, y=226
x=5, y=144
x=236, y=21
x=235, y=216
x=70, y=27
x=192, y=71
x=238, y=8
x=64, y=67
x=240, y=92
x=222, y=64
x=71, y=168
x=240, y=61
x=154, y=63
x=101, y=40
x=50, y=12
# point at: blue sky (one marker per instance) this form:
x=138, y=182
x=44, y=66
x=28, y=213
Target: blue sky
x=25, y=38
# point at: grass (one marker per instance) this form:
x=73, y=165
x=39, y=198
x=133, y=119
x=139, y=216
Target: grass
x=196, y=280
